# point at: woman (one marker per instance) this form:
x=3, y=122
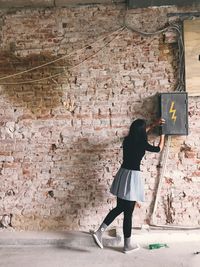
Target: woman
x=128, y=184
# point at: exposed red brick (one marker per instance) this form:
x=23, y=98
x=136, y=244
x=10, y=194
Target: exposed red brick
x=61, y=138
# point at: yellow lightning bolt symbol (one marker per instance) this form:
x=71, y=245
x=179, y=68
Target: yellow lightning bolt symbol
x=173, y=111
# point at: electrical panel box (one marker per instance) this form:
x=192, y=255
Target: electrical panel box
x=174, y=109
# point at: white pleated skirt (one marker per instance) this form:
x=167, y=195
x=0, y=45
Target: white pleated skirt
x=128, y=185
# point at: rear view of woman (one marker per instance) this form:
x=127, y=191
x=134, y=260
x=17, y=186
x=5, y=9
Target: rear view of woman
x=128, y=184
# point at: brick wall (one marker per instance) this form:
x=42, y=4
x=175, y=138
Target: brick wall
x=61, y=137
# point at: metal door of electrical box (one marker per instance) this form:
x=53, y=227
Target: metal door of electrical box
x=174, y=109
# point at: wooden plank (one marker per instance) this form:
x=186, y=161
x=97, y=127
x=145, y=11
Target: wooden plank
x=192, y=56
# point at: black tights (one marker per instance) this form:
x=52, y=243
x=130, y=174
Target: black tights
x=127, y=207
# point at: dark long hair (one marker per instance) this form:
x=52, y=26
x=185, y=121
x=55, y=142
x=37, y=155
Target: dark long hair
x=137, y=132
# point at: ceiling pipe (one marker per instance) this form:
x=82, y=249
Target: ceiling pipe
x=25, y=3
x=159, y=3
x=60, y=3
x=53, y=3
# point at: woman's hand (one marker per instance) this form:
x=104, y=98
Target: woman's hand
x=159, y=122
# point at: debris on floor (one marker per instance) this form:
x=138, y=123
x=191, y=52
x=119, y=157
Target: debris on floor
x=157, y=245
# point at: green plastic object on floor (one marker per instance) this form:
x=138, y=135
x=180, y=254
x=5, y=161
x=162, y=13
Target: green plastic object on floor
x=157, y=245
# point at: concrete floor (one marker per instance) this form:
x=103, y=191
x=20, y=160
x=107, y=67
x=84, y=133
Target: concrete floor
x=77, y=249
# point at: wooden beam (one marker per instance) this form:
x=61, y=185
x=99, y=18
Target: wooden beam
x=192, y=56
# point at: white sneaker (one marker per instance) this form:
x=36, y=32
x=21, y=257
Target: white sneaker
x=97, y=239
x=131, y=248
